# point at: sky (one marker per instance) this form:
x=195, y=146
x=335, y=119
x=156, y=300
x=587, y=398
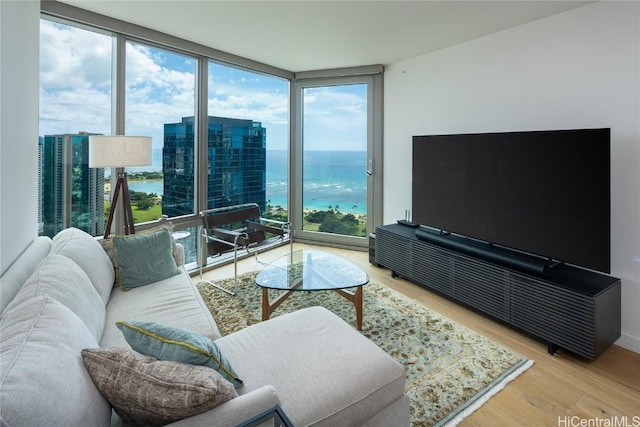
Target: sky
x=75, y=94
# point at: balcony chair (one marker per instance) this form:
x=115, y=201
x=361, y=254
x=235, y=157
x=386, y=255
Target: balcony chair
x=237, y=227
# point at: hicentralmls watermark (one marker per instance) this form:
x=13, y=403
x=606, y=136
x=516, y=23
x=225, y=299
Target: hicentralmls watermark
x=613, y=421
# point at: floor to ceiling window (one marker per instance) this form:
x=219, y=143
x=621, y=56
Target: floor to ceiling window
x=160, y=93
x=247, y=139
x=220, y=128
x=94, y=82
x=75, y=102
x=160, y=102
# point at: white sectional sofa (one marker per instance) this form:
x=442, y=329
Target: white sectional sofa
x=58, y=298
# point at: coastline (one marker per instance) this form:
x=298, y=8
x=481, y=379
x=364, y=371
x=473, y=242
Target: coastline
x=359, y=215
x=357, y=209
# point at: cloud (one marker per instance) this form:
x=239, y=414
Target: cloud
x=75, y=80
x=83, y=109
x=75, y=93
x=72, y=58
x=247, y=95
x=241, y=103
x=75, y=87
x=335, y=116
x=339, y=108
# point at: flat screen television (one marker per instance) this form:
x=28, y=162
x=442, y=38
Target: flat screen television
x=545, y=193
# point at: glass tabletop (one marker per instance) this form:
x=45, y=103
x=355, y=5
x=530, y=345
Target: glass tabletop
x=311, y=270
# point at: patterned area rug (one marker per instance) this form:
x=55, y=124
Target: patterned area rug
x=451, y=370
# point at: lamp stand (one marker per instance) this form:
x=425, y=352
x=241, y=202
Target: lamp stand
x=121, y=185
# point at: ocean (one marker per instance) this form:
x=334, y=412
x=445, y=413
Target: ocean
x=334, y=179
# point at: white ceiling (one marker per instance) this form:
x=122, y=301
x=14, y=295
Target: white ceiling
x=302, y=35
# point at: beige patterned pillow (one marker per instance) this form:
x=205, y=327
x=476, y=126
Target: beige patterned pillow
x=146, y=391
x=110, y=248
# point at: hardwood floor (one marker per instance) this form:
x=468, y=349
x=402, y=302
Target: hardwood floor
x=562, y=390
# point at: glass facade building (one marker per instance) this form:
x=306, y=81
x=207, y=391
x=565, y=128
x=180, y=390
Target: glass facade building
x=236, y=164
x=40, y=183
x=72, y=194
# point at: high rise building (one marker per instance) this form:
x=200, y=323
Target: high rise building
x=40, y=166
x=236, y=151
x=72, y=193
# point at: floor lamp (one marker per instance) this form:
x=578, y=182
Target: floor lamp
x=119, y=151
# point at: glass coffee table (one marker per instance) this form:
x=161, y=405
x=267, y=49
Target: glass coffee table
x=311, y=270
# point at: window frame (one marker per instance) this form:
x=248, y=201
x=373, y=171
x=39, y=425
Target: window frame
x=372, y=77
x=124, y=31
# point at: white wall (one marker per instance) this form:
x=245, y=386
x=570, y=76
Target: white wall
x=578, y=69
x=19, y=41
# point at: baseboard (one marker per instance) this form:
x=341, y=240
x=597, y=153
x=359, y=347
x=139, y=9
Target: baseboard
x=629, y=342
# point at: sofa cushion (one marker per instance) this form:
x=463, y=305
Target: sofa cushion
x=144, y=258
x=174, y=302
x=179, y=345
x=62, y=279
x=42, y=378
x=85, y=251
x=110, y=249
x=146, y=391
x=352, y=378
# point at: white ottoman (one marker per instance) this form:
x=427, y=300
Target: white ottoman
x=323, y=370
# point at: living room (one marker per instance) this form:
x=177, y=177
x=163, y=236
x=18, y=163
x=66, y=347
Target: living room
x=576, y=69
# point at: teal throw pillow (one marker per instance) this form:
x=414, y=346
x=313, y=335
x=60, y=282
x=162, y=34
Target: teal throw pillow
x=178, y=345
x=144, y=258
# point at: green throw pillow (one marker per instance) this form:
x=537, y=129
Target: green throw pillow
x=178, y=345
x=144, y=258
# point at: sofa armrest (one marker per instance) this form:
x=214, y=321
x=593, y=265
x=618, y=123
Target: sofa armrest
x=235, y=411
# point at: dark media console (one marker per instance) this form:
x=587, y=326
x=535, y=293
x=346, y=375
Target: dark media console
x=568, y=307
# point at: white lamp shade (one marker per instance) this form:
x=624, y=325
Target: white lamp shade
x=118, y=151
